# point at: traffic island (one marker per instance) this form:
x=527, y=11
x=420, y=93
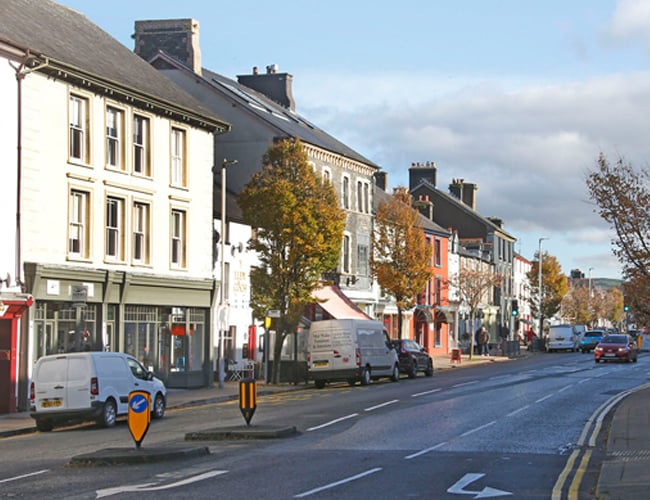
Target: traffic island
x=242, y=432
x=130, y=456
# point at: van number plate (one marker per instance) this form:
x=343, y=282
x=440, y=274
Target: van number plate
x=51, y=403
x=321, y=363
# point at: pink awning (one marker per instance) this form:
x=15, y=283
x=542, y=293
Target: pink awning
x=337, y=304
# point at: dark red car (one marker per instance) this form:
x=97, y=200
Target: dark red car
x=618, y=347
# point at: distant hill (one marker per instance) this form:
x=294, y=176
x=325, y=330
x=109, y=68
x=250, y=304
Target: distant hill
x=607, y=283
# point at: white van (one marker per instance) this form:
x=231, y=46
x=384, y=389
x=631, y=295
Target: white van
x=562, y=337
x=352, y=350
x=80, y=386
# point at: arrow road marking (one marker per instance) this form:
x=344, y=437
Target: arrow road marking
x=153, y=487
x=487, y=492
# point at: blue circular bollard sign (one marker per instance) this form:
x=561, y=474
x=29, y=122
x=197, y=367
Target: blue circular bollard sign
x=138, y=403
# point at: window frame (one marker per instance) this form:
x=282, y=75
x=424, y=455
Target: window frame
x=141, y=146
x=79, y=128
x=178, y=238
x=141, y=233
x=346, y=254
x=114, y=233
x=79, y=221
x=114, y=157
x=178, y=157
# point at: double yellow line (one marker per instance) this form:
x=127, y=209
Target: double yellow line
x=585, y=446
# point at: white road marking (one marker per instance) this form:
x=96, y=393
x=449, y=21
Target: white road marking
x=332, y=422
x=337, y=483
x=478, y=428
x=466, y=383
x=544, y=398
x=427, y=450
x=565, y=388
x=16, y=478
x=382, y=405
x=418, y=394
x=151, y=486
x=513, y=413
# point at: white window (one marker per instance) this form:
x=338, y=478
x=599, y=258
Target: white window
x=141, y=158
x=114, y=138
x=178, y=238
x=141, y=232
x=178, y=168
x=114, y=228
x=79, y=224
x=79, y=124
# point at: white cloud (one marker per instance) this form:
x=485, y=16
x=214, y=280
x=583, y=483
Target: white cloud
x=631, y=20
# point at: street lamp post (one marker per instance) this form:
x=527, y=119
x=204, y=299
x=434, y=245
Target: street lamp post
x=222, y=257
x=539, y=290
x=589, y=297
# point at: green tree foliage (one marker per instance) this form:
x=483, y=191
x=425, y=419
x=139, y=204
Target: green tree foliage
x=401, y=259
x=474, y=287
x=621, y=193
x=554, y=286
x=299, y=230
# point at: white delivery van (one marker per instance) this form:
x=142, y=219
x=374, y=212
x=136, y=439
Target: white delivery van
x=81, y=386
x=562, y=337
x=352, y=350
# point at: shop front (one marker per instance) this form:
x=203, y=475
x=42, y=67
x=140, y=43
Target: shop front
x=162, y=321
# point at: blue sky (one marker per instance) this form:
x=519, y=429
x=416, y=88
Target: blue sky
x=516, y=96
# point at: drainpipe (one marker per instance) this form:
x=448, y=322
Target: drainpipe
x=21, y=72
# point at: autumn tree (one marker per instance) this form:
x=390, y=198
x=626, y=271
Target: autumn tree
x=401, y=259
x=576, y=306
x=621, y=193
x=299, y=231
x=474, y=286
x=554, y=287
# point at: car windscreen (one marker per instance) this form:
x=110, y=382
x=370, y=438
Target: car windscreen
x=614, y=339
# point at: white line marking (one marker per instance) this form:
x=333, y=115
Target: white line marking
x=513, y=413
x=337, y=483
x=332, y=422
x=583, y=380
x=544, y=398
x=466, y=383
x=149, y=486
x=478, y=428
x=418, y=394
x=565, y=388
x=427, y=450
x=16, y=478
x=382, y=405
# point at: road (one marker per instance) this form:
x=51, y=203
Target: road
x=527, y=428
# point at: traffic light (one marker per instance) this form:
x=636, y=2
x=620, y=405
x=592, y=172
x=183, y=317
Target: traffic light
x=626, y=308
x=514, y=307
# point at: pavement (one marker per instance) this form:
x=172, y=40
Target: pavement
x=624, y=474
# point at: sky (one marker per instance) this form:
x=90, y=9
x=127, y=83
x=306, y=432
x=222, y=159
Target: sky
x=518, y=97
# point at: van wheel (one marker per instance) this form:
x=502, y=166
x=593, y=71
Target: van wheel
x=319, y=384
x=365, y=376
x=395, y=376
x=44, y=425
x=109, y=414
x=158, y=406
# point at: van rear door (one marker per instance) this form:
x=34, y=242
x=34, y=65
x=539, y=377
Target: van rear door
x=62, y=383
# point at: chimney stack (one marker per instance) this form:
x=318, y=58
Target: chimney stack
x=178, y=38
x=276, y=86
x=420, y=172
x=465, y=192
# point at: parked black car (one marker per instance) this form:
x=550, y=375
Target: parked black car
x=413, y=358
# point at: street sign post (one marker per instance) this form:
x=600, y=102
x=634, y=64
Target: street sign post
x=139, y=415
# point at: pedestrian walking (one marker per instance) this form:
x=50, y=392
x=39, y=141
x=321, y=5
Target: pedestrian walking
x=484, y=341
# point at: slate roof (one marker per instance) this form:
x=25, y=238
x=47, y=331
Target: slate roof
x=288, y=123
x=381, y=196
x=462, y=206
x=71, y=41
